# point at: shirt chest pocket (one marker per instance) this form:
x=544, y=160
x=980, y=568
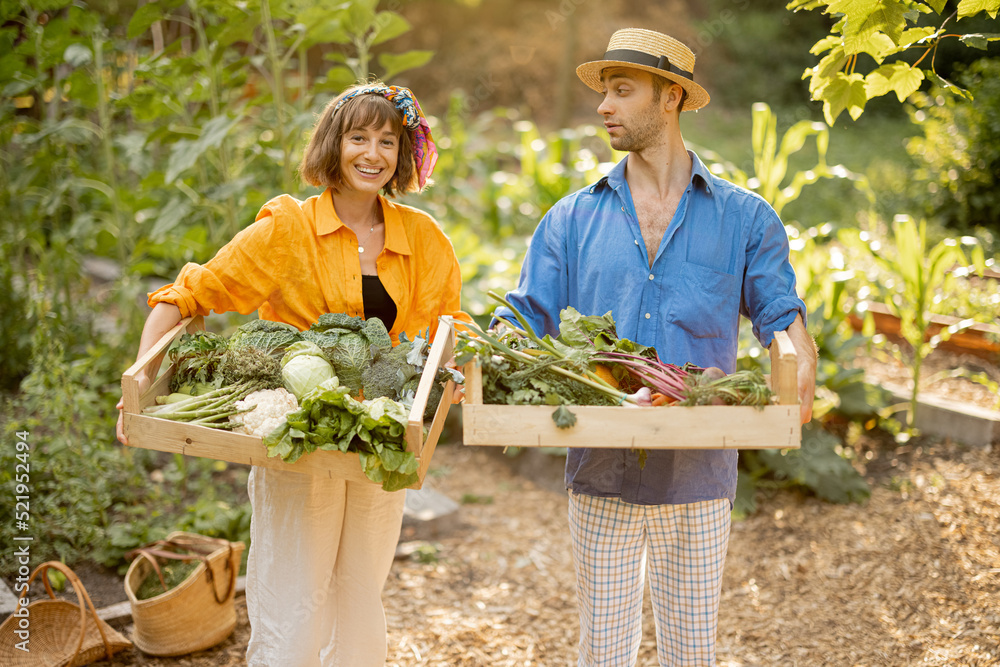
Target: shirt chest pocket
x=705, y=303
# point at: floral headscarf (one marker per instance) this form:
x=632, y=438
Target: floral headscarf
x=424, y=150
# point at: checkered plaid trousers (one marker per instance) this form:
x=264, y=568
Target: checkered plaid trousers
x=684, y=547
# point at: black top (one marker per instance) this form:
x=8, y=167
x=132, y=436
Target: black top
x=377, y=301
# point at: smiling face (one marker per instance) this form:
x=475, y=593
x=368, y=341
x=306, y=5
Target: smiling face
x=635, y=110
x=368, y=158
x=362, y=143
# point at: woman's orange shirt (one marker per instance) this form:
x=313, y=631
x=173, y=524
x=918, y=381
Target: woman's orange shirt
x=298, y=261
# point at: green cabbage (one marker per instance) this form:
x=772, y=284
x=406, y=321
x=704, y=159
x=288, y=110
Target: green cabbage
x=271, y=337
x=353, y=352
x=304, y=367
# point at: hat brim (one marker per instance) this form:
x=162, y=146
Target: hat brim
x=590, y=74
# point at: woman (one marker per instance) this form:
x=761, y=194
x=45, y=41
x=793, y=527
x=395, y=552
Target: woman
x=321, y=548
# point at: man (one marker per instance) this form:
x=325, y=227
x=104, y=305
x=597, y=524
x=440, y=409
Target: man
x=677, y=255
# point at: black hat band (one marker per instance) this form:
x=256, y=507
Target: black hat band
x=647, y=59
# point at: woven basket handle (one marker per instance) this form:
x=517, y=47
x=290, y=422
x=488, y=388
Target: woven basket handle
x=205, y=546
x=83, y=600
x=208, y=545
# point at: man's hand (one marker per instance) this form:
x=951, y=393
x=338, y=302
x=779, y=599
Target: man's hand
x=805, y=353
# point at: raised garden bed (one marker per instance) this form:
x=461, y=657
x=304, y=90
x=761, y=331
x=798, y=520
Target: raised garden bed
x=981, y=339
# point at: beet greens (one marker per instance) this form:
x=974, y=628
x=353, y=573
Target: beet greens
x=522, y=368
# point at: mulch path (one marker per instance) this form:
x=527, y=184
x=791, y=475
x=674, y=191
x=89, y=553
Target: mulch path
x=912, y=577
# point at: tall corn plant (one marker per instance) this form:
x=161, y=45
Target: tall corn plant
x=771, y=158
x=908, y=281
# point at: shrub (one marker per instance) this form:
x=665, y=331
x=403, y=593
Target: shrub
x=959, y=153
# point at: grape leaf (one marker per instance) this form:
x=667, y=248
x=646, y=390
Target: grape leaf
x=897, y=77
x=980, y=40
x=865, y=18
x=845, y=91
x=973, y=7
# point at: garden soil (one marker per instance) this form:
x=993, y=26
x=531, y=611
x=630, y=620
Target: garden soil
x=911, y=577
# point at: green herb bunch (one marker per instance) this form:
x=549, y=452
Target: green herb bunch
x=199, y=357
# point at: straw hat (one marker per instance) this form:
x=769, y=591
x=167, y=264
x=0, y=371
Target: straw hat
x=652, y=52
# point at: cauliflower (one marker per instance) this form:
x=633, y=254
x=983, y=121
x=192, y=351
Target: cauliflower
x=269, y=409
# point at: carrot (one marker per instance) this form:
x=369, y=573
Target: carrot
x=604, y=372
x=660, y=399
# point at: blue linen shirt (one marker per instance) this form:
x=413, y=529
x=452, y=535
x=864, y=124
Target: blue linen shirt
x=724, y=254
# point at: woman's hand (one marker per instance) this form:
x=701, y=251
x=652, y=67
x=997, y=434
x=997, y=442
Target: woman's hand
x=161, y=319
x=144, y=383
x=459, y=395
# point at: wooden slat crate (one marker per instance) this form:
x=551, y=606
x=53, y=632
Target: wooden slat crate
x=774, y=426
x=163, y=435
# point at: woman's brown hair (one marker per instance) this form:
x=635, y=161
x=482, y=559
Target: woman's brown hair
x=321, y=162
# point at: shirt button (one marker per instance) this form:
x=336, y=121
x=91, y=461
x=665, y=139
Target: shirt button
x=647, y=316
x=636, y=241
x=623, y=209
x=650, y=276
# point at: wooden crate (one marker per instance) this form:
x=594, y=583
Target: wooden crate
x=164, y=435
x=703, y=427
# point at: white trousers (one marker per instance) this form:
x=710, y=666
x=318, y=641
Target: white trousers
x=684, y=547
x=320, y=553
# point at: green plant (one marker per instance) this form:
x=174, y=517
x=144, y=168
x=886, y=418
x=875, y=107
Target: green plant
x=958, y=154
x=771, y=160
x=818, y=465
x=15, y=328
x=883, y=29
x=908, y=280
x=76, y=475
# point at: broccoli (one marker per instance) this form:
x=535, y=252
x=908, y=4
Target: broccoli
x=271, y=337
x=409, y=391
x=388, y=372
x=254, y=365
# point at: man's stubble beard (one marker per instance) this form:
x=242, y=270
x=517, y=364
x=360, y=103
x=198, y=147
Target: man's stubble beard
x=645, y=134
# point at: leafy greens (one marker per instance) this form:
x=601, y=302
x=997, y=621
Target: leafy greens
x=199, y=357
x=329, y=419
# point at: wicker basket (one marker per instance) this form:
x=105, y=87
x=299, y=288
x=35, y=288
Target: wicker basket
x=196, y=614
x=59, y=633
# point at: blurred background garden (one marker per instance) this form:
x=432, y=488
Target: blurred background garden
x=138, y=136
